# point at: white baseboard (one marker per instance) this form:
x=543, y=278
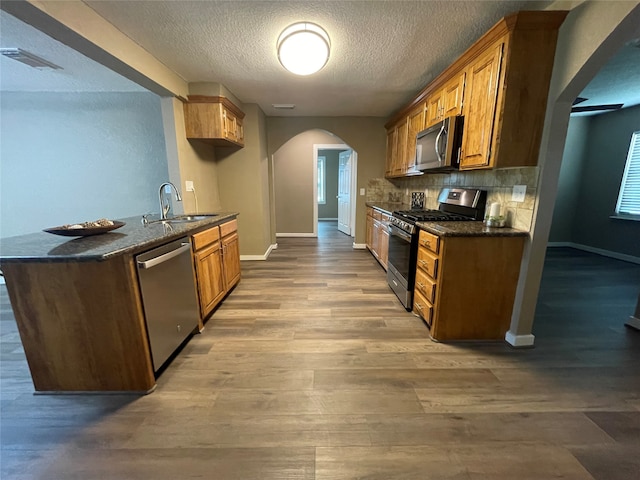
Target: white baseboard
x=310, y=234
x=519, y=340
x=328, y=219
x=359, y=246
x=259, y=257
x=633, y=322
x=599, y=251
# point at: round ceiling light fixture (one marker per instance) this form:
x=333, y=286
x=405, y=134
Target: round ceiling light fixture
x=303, y=48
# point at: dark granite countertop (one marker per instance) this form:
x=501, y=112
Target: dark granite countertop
x=388, y=207
x=132, y=238
x=468, y=229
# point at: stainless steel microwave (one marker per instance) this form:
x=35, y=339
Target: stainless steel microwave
x=438, y=147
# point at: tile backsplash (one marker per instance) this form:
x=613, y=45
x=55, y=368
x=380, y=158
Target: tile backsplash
x=498, y=184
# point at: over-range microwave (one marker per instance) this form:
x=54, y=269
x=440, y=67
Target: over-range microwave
x=438, y=147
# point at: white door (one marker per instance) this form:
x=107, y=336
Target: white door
x=344, y=192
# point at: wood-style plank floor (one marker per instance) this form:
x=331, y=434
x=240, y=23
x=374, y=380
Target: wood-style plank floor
x=311, y=369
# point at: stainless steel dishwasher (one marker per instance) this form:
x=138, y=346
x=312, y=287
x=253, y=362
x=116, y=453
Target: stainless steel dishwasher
x=168, y=296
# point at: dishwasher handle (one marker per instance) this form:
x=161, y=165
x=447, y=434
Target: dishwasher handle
x=165, y=257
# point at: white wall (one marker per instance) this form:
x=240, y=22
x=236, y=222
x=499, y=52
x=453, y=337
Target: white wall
x=75, y=157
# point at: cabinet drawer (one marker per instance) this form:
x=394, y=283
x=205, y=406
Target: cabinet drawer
x=386, y=218
x=377, y=214
x=425, y=285
x=428, y=262
x=422, y=307
x=429, y=241
x=229, y=227
x=202, y=239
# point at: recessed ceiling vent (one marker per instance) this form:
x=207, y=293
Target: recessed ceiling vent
x=28, y=58
x=283, y=106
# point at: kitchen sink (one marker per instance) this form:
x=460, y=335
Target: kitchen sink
x=185, y=218
x=189, y=218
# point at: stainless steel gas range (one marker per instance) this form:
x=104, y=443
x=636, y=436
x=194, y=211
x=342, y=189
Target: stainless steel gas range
x=455, y=204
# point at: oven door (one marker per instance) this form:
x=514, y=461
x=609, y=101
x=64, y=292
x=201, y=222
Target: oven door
x=401, y=266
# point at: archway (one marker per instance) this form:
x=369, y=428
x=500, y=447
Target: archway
x=295, y=182
x=591, y=34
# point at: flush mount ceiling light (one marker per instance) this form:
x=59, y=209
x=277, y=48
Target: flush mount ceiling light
x=303, y=48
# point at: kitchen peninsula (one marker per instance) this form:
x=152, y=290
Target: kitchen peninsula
x=78, y=303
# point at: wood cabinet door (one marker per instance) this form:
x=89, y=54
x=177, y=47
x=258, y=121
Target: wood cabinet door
x=434, y=108
x=231, y=260
x=209, y=277
x=383, y=244
x=416, y=124
x=401, y=148
x=229, y=122
x=239, y=131
x=452, y=95
x=369, y=227
x=481, y=95
x=392, y=136
x=375, y=238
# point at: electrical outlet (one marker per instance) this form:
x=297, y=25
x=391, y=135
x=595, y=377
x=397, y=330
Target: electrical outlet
x=519, y=191
x=362, y=191
x=188, y=185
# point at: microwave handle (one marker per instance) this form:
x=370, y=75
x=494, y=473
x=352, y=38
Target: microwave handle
x=439, y=155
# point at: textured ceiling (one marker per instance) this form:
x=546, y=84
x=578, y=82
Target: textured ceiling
x=383, y=52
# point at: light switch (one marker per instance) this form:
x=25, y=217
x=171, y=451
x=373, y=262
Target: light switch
x=519, y=191
x=188, y=185
x=361, y=191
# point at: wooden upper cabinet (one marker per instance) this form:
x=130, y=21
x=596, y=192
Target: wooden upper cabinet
x=215, y=120
x=392, y=138
x=434, y=108
x=446, y=101
x=500, y=85
x=399, y=157
x=416, y=123
x=452, y=96
x=481, y=93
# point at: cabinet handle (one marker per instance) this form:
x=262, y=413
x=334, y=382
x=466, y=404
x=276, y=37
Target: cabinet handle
x=422, y=262
x=419, y=306
x=421, y=285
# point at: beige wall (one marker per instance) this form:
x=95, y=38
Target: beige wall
x=244, y=184
x=189, y=160
x=366, y=135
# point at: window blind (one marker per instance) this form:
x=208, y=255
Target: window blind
x=629, y=196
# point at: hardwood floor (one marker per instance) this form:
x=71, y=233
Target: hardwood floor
x=311, y=369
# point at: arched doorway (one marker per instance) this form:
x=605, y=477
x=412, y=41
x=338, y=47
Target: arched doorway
x=296, y=183
x=590, y=35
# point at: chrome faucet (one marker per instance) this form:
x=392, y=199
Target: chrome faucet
x=165, y=207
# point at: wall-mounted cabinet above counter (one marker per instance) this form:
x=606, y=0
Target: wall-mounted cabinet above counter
x=500, y=86
x=215, y=120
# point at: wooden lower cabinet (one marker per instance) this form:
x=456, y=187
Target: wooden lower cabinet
x=465, y=286
x=231, y=260
x=378, y=235
x=208, y=263
x=217, y=264
x=369, y=228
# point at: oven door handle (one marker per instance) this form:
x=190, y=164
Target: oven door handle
x=393, y=230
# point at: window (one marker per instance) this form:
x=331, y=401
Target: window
x=629, y=196
x=322, y=180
